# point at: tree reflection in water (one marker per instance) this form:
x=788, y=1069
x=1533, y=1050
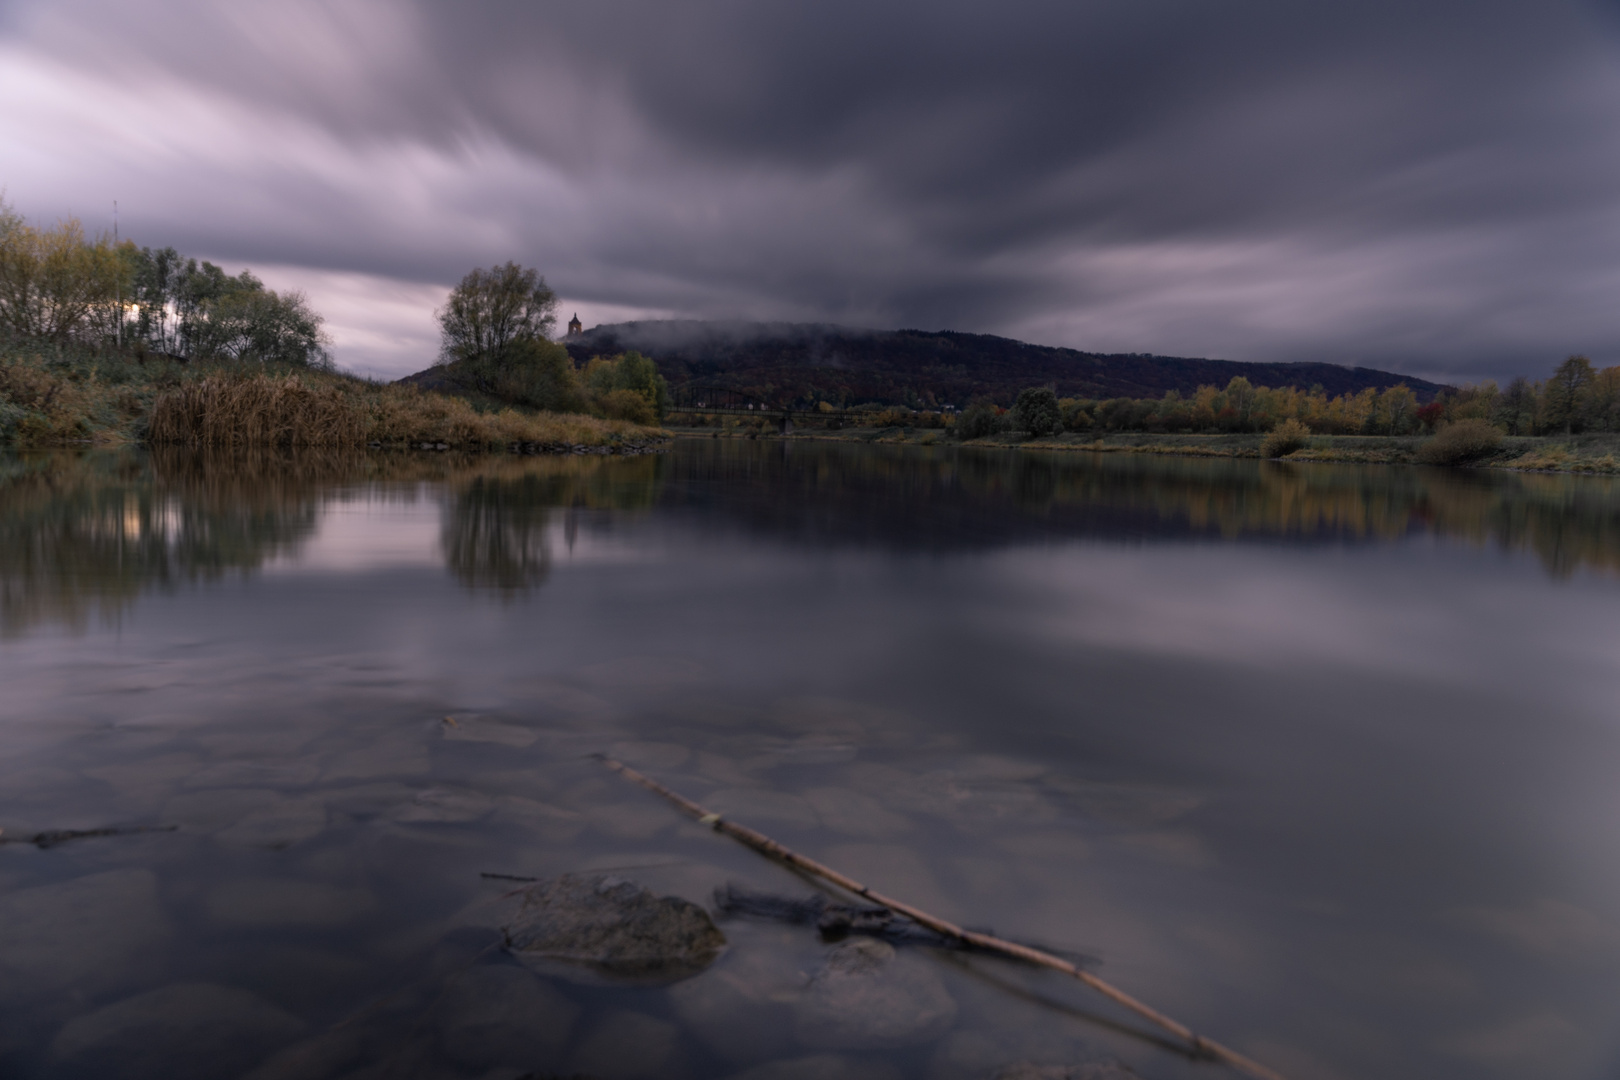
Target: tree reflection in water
x=88, y=532
x=497, y=522
x=85, y=533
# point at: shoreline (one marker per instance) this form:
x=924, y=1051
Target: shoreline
x=1596, y=454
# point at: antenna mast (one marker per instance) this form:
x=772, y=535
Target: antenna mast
x=118, y=326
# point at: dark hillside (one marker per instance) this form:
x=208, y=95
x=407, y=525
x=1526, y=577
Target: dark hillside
x=790, y=363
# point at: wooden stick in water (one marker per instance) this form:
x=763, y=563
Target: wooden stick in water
x=987, y=942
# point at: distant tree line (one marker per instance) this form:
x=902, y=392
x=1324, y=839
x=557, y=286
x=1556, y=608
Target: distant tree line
x=1576, y=398
x=59, y=285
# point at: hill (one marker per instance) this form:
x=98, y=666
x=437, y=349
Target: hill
x=786, y=363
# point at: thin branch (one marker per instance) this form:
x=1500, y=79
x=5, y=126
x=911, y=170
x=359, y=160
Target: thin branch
x=986, y=942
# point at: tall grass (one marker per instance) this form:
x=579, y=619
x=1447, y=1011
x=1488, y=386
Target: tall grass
x=315, y=409
x=264, y=410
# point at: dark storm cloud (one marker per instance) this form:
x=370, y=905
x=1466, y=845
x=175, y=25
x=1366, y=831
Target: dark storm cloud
x=1427, y=185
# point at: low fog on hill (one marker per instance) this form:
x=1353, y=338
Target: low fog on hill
x=801, y=361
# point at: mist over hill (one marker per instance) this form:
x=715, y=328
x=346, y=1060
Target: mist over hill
x=787, y=363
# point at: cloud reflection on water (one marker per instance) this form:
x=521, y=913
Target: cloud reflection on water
x=82, y=532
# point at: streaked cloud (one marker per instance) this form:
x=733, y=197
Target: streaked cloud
x=1425, y=186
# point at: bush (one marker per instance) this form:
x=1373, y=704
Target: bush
x=1037, y=412
x=630, y=372
x=627, y=405
x=1284, y=439
x=531, y=372
x=1075, y=416
x=1460, y=443
x=979, y=419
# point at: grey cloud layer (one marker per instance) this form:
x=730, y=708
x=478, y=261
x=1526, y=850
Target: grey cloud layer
x=1428, y=185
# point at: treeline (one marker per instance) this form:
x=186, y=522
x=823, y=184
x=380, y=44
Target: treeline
x=61, y=286
x=1576, y=398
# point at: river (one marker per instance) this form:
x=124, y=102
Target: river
x=1319, y=760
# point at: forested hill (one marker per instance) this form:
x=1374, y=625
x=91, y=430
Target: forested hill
x=799, y=362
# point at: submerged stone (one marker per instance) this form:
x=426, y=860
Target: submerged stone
x=820, y=1067
x=867, y=997
x=630, y=1045
x=89, y=933
x=612, y=926
x=175, y=1033
x=1096, y=1070
x=493, y=1015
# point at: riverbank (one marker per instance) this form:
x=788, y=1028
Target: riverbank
x=53, y=396
x=1587, y=453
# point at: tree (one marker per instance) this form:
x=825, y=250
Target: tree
x=1566, y=394
x=157, y=276
x=1240, y=399
x=1605, y=401
x=1037, y=411
x=260, y=325
x=491, y=308
x=529, y=371
x=1516, y=407
x=53, y=280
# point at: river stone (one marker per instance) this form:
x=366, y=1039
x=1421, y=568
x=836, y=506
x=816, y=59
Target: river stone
x=264, y=901
x=742, y=1008
x=494, y=1015
x=615, y=927
x=867, y=998
x=89, y=933
x=820, y=1067
x=1097, y=1070
x=179, y=1032
x=628, y=1045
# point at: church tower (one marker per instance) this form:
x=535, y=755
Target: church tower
x=575, y=326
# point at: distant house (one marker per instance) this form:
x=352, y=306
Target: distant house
x=575, y=326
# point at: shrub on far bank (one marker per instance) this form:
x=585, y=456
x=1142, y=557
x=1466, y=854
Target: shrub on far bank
x=1461, y=443
x=530, y=372
x=608, y=379
x=627, y=405
x=979, y=419
x=1037, y=412
x=1284, y=439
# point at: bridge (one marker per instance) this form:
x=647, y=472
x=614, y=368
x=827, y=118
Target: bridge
x=701, y=398
x=704, y=399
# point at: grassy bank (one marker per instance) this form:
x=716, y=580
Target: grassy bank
x=55, y=396
x=1589, y=453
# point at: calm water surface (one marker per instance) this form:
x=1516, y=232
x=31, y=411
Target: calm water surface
x=1320, y=760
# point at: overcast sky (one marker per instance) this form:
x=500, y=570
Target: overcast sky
x=1431, y=186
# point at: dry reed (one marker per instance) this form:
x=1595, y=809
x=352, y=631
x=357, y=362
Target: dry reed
x=264, y=410
x=322, y=410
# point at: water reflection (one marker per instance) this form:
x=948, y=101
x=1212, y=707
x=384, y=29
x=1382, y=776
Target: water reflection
x=87, y=532
x=914, y=499
x=1348, y=807
x=497, y=521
